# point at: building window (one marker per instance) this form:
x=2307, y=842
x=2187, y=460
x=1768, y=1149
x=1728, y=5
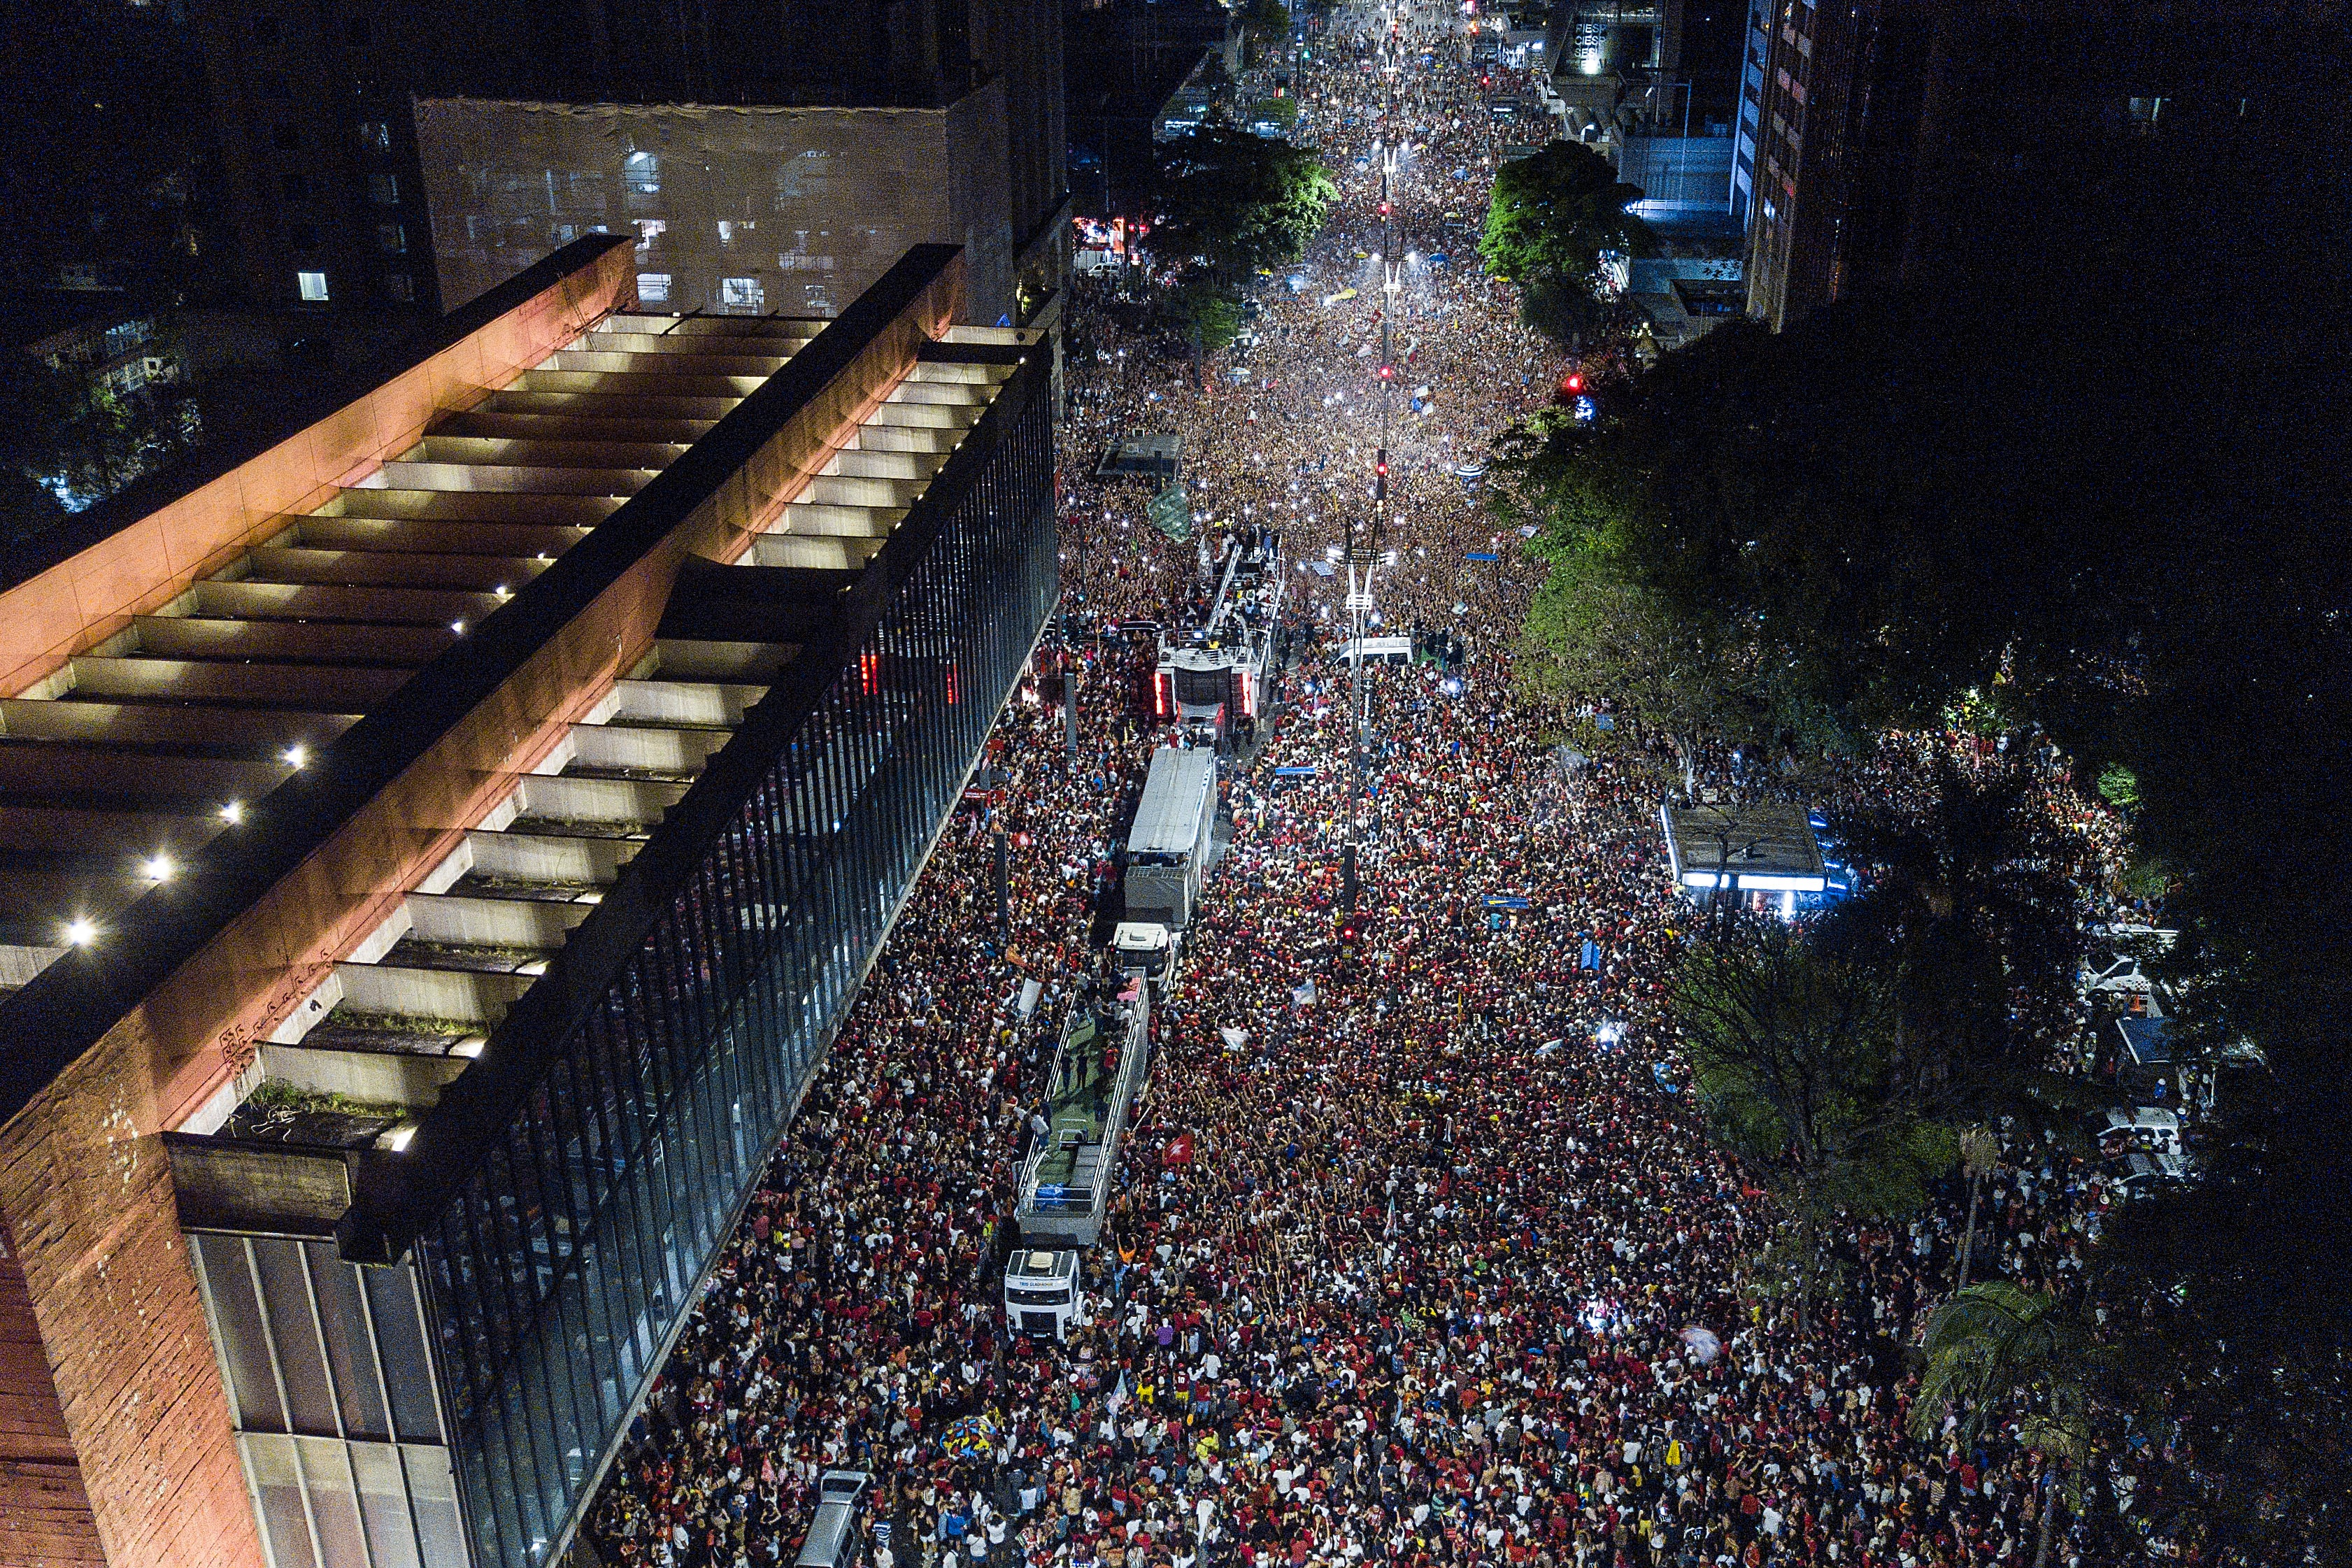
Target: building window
x=731, y=230
x=375, y=136
x=391, y=238
x=285, y=138
x=649, y=230
x=741, y=294
x=641, y=175
x=312, y=287
x=383, y=190
x=401, y=287
x=293, y=187
x=652, y=288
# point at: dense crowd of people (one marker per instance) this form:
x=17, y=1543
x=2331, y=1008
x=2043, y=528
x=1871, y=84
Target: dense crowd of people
x=1422, y=1253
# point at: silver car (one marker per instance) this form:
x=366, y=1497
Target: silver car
x=834, y=1539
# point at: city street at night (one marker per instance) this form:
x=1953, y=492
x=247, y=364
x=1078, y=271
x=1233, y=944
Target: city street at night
x=1175, y=784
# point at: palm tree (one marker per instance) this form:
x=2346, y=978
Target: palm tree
x=1979, y=1152
x=1973, y=898
x=1995, y=1345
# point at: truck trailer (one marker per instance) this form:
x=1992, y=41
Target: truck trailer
x=1168, y=848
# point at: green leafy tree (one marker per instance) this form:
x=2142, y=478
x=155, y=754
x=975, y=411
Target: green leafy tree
x=1265, y=24
x=1799, y=1058
x=1548, y=219
x=60, y=428
x=1208, y=319
x=1985, y=490
x=1972, y=908
x=1593, y=634
x=1994, y=1348
x=1230, y=203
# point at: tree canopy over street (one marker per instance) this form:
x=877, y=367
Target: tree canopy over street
x=1230, y=203
x=1550, y=218
x=2070, y=482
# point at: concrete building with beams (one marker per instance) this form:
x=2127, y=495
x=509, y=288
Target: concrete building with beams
x=437, y=845
x=340, y=198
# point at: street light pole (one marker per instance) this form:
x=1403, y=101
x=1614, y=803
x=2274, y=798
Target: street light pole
x=1365, y=556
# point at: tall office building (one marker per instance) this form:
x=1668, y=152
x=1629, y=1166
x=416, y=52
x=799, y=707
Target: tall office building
x=1748, y=110
x=329, y=184
x=1835, y=140
x=318, y=154
x=440, y=842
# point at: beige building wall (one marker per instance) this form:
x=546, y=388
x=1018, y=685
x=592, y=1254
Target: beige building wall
x=760, y=210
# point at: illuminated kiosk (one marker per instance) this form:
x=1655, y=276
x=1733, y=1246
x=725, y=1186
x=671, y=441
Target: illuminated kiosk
x=438, y=843
x=1765, y=848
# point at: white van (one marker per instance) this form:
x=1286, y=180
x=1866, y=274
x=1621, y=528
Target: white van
x=1382, y=650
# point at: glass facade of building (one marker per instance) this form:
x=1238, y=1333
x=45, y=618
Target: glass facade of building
x=556, y=1275
x=330, y=1377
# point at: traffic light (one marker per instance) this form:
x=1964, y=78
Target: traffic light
x=1380, y=475
x=1384, y=209
x=1575, y=382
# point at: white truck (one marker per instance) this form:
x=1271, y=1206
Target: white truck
x=1169, y=847
x=1042, y=1296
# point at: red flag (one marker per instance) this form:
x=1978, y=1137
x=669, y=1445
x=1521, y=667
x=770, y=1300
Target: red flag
x=1179, y=1150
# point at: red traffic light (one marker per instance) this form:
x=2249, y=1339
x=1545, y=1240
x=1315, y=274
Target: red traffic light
x=1575, y=382
x=1388, y=372
x=1384, y=209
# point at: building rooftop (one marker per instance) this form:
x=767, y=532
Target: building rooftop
x=1765, y=847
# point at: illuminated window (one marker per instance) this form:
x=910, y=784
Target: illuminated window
x=741, y=294
x=376, y=135
x=313, y=285
x=652, y=288
x=641, y=175
x=649, y=230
